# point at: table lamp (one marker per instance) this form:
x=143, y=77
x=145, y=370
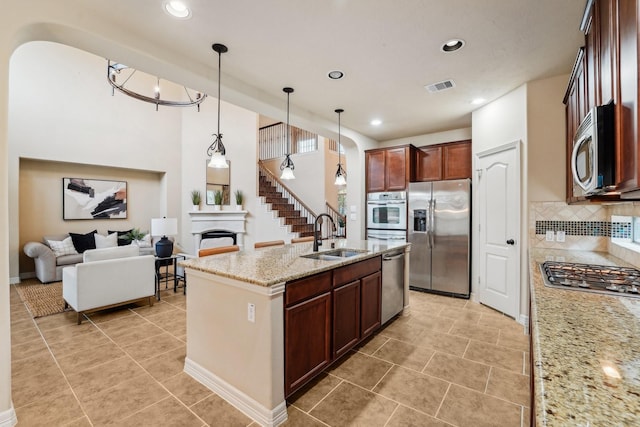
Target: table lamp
x=164, y=227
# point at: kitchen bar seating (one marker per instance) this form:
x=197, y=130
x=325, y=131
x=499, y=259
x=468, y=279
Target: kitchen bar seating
x=218, y=250
x=258, y=245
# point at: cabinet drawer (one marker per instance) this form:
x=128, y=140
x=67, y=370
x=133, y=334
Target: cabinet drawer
x=299, y=290
x=352, y=272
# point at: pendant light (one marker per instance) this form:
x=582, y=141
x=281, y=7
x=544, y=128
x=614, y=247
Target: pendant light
x=216, y=150
x=287, y=166
x=341, y=174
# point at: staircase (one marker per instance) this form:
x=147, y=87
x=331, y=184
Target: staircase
x=292, y=217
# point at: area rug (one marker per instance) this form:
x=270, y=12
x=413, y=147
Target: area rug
x=41, y=300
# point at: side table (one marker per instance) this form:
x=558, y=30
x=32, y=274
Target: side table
x=166, y=262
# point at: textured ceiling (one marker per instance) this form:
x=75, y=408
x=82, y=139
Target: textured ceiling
x=388, y=50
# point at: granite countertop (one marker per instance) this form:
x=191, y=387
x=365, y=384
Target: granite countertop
x=272, y=265
x=586, y=350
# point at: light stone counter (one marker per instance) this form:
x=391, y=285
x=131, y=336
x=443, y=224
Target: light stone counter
x=272, y=265
x=585, y=350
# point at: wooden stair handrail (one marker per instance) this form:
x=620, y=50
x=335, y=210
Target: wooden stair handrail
x=291, y=193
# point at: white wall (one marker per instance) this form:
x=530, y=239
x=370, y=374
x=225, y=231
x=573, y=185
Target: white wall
x=546, y=139
x=61, y=111
x=431, y=138
x=239, y=135
x=495, y=124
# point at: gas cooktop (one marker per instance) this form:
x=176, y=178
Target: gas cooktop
x=603, y=279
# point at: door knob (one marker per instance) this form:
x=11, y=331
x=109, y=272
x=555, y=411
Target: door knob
x=511, y=242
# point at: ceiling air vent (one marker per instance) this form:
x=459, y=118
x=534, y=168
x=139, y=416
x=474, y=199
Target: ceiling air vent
x=440, y=86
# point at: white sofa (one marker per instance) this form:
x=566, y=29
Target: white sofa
x=49, y=266
x=107, y=278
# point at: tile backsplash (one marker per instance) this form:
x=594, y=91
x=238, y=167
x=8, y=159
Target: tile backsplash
x=586, y=227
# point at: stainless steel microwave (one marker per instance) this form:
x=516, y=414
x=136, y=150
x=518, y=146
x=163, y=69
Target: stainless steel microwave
x=593, y=156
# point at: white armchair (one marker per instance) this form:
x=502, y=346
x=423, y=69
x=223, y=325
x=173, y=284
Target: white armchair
x=107, y=278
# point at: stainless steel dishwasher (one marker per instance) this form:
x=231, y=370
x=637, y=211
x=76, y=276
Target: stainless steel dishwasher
x=392, y=284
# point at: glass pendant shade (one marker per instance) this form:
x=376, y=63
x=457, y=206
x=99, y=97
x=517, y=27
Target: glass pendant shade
x=341, y=178
x=218, y=161
x=287, y=173
x=287, y=166
x=216, y=150
x=341, y=174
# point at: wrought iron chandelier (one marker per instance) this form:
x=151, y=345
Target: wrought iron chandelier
x=116, y=70
x=341, y=174
x=287, y=165
x=216, y=150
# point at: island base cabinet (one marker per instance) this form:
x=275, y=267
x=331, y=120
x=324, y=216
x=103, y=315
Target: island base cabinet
x=346, y=317
x=307, y=340
x=326, y=315
x=371, y=304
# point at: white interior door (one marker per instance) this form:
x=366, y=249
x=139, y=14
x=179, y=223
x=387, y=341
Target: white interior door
x=498, y=204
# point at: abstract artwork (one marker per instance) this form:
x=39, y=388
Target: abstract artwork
x=93, y=199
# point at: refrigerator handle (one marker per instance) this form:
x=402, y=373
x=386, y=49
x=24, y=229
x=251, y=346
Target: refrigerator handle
x=428, y=223
x=432, y=220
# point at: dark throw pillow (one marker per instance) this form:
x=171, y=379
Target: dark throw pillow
x=82, y=242
x=121, y=242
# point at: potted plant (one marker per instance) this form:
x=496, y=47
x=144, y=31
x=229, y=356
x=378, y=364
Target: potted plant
x=195, y=199
x=239, y=199
x=134, y=236
x=217, y=199
x=341, y=226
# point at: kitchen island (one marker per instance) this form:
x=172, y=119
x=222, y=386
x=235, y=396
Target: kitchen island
x=585, y=350
x=235, y=317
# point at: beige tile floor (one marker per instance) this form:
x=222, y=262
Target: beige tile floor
x=450, y=362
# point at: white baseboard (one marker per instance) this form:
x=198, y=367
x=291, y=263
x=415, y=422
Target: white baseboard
x=8, y=418
x=14, y=280
x=242, y=402
x=524, y=320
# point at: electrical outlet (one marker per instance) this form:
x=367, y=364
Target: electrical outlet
x=251, y=312
x=560, y=236
x=550, y=236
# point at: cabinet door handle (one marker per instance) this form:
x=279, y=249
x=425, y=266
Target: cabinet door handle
x=511, y=242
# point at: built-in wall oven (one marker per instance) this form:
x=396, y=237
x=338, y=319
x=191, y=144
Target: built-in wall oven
x=387, y=210
x=387, y=217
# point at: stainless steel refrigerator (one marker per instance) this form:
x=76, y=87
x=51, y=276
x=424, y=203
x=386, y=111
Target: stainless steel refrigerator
x=439, y=230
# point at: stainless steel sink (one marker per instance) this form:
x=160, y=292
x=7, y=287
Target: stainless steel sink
x=333, y=255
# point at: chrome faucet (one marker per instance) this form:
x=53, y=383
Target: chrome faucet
x=317, y=236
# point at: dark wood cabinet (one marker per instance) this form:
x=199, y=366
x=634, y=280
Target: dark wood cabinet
x=444, y=161
x=388, y=169
x=326, y=315
x=429, y=163
x=456, y=160
x=605, y=71
x=371, y=304
x=626, y=110
x=307, y=329
x=575, y=110
x=375, y=171
x=346, y=317
x=307, y=340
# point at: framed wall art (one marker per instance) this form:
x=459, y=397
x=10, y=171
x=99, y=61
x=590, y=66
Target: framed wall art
x=84, y=198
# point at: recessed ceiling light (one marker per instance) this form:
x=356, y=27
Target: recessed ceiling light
x=452, y=45
x=177, y=9
x=376, y=122
x=478, y=101
x=335, y=75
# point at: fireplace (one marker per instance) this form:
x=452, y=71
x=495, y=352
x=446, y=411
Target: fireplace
x=212, y=224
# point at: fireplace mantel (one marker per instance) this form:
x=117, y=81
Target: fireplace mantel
x=231, y=220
